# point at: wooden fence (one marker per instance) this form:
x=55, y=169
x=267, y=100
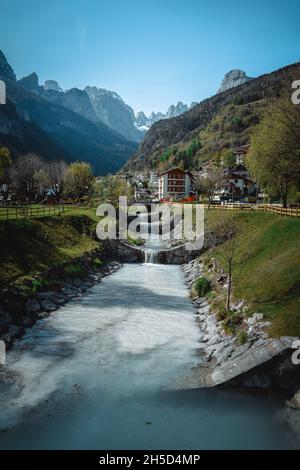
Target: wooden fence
x=24, y=212
x=287, y=212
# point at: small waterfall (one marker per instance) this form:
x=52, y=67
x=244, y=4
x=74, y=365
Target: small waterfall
x=153, y=244
x=151, y=256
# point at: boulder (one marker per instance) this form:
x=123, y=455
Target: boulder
x=27, y=321
x=5, y=320
x=204, y=310
x=58, y=298
x=7, y=339
x=32, y=306
x=77, y=282
x=294, y=402
x=255, y=318
x=15, y=331
x=48, y=306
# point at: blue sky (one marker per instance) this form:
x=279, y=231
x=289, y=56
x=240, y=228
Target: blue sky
x=153, y=53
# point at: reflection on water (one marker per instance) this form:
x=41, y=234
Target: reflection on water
x=95, y=374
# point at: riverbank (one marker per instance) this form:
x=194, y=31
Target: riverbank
x=22, y=306
x=47, y=262
x=267, y=261
x=247, y=357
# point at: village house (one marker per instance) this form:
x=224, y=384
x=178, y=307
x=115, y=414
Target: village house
x=174, y=183
x=236, y=188
x=240, y=154
x=142, y=194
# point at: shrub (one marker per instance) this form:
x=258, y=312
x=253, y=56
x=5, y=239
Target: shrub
x=242, y=337
x=136, y=241
x=38, y=285
x=222, y=313
x=97, y=263
x=74, y=270
x=202, y=286
x=231, y=322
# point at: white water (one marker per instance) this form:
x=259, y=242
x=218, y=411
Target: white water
x=153, y=241
x=96, y=374
x=151, y=256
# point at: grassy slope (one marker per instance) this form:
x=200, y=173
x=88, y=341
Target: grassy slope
x=30, y=246
x=270, y=280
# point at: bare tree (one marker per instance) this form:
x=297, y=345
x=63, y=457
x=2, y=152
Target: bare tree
x=230, y=252
x=57, y=173
x=28, y=176
x=210, y=184
x=5, y=164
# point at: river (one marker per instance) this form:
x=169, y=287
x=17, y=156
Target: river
x=98, y=374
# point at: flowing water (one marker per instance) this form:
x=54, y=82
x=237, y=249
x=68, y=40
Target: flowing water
x=98, y=373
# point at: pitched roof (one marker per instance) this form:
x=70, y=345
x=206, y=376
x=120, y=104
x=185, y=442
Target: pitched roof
x=175, y=168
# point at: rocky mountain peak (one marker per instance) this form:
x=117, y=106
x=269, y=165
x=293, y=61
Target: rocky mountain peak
x=145, y=122
x=6, y=71
x=79, y=102
x=141, y=119
x=110, y=108
x=176, y=110
x=232, y=79
x=52, y=85
x=31, y=82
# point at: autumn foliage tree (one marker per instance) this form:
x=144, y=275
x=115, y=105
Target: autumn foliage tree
x=79, y=180
x=109, y=188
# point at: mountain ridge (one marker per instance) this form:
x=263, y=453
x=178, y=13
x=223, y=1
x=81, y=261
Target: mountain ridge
x=31, y=122
x=250, y=97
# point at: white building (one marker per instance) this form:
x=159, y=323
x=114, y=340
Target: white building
x=174, y=183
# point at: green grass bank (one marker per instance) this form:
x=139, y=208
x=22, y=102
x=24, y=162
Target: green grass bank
x=270, y=278
x=30, y=246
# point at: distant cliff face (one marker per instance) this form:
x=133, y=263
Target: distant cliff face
x=79, y=102
x=114, y=112
x=30, y=83
x=52, y=85
x=6, y=70
x=233, y=79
